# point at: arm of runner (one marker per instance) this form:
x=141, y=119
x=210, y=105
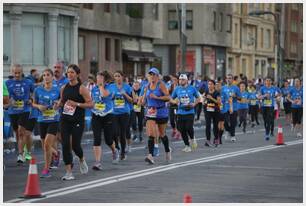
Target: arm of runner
x=165, y=91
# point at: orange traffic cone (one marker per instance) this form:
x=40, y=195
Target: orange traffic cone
x=280, y=137
x=32, y=189
x=187, y=198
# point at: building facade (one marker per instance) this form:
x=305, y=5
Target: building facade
x=118, y=37
x=292, y=39
x=208, y=29
x=252, y=49
x=38, y=35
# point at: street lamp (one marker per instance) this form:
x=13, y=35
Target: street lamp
x=276, y=18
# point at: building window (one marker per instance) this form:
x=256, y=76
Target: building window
x=33, y=39
x=215, y=21
x=172, y=20
x=244, y=66
x=88, y=6
x=236, y=34
x=107, y=49
x=267, y=39
x=107, y=8
x=293, y=47
x=261, y=38
x=229, y=23
x=64, y=32
x=117, y=50
x=6, y=39
x=221, y=22
x=293, y=26
x=134, y=10
x=189, y=19
x=155, y=11
x=81, y=48
x=230, y=64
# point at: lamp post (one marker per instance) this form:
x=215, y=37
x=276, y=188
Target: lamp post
x=276, y=18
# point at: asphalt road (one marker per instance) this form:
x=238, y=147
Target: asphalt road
x=250, y=170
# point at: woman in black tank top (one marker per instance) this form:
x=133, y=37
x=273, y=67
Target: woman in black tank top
x=75, y=98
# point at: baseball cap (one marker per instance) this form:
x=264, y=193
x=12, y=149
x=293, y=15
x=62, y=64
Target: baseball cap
x=154, y=71
x=183, y=76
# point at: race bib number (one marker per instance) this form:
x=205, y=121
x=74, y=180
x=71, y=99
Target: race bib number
x=49, y=114
x=19, y=104
x=119, y=103
x=253, y=102
x=137, y=108
x=100, y=107
x=185, y=100
x=210, y=107
x=151, y=112
x=268, y=102
x=69, y=110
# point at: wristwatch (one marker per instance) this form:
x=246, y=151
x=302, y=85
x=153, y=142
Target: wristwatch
x=78, y=104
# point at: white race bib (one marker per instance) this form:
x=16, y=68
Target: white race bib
x=69, y=110
x=151, y=112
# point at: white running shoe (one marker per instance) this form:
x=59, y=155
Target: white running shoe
x=169, y=156
x=83, y=167
x=187, y=149
x=128, y=149
x=68, y=176
x=20, y=158
x=299, y=135
x=233, y=139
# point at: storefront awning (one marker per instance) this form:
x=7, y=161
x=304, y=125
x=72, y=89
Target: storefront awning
x=130, y=55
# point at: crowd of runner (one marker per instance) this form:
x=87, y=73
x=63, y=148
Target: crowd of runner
x=57, y=101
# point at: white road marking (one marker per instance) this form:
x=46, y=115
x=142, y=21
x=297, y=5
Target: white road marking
x=146, y=172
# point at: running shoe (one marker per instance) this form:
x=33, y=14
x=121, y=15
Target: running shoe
x=149, y=160
x=233, y=139
x=253, y=125
x=140, y=140
x=115, y=157
x=68, y=176
x=299, y=135
x=83, y=167
x=123, y=157
x=20, y=158
x=194, y=144
x=187, y=149
x=208, y=143
x=226, y=135
x=244, y=130
x=97, y=166
x=45, y=173
x=169, y=156
x=267, y=137
x=156, y=152
x=28, y=156
x=128, y=149
x=216, y=142
x=134, y=137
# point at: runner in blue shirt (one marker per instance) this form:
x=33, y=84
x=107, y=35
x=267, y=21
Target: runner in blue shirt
x=121, y=95
x=224, y=106
x=286, y=103
x=243, y=106
x=48, y=118
x=186, y=97
x=20, y=90
x=295, y=96
x=102, y=118
x=253, y=105
x=234, y=93
x=267, y=95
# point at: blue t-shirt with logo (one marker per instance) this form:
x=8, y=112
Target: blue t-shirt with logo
x=102, y=105
x=20, y=91
x=224, y=107
x=253, y=98
x=186, y=96
x=121, y=104
x=268, y=101
x=232, y=91
x=296, y=94
x=47, y=98
x=60, y=83
x=244, y=103
x=285, y=92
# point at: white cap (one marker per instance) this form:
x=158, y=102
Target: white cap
x=183, y=76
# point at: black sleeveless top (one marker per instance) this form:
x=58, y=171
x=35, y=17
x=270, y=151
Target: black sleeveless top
x=73, y=93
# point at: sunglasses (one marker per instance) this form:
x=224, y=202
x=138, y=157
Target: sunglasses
x=152, y=74
x=57, y=67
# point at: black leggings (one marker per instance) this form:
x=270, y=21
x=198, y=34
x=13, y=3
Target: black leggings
x=199, y=110
x=185, y=126
x=128, y=128
x=231, y=123
x=120, y=128
x=173, y=117
x=137, y=119
x=74, y=130
x=268, y=117
x=214, y=116
x=105, y=123
x=242, y=113
x=254, y=113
